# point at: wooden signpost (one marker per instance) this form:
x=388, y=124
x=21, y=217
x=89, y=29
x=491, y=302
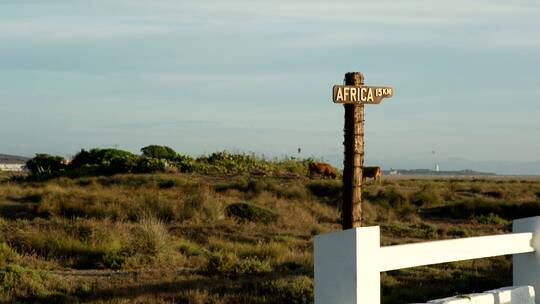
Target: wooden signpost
x=354, y=95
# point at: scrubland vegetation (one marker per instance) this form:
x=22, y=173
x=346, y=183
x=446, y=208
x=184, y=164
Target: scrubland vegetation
x=233, y=237
x=154, y=159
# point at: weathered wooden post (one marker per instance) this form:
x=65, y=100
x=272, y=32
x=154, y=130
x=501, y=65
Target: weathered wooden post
x=353, y=162
x=346, y=268
x=354, y=95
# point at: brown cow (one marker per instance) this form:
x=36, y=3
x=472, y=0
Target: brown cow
x=322, y=169
x=372, y=172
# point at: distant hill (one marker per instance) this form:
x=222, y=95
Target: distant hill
x=431, y=172
x=12, y=159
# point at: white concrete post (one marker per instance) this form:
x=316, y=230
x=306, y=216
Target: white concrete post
x=526, y=266
x=347, y=267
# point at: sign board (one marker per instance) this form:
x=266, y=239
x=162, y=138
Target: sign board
x=360, y=94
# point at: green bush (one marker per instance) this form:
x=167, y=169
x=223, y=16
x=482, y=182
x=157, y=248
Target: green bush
x=116, y=259
x=20, y=284
x=227, y=163
x=457, y=232
x=186, y=163
x=45, y=166
x=249, y=212
x=156, y=158
x=99, y=157
x=103, y=161
x=81, y=243
x=296, y=291
x=124, y=164
x=159, y=152
x=229, y=265
x=150, y=165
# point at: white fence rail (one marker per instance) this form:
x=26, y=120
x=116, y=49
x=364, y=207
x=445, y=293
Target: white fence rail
x=420, y=254
x=348, y=263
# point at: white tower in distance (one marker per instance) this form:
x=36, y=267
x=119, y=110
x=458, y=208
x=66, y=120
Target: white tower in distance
x=436, y=165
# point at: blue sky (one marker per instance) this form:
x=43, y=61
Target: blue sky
x=202, y=76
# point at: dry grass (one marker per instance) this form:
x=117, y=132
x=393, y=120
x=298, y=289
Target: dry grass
x=174, y=236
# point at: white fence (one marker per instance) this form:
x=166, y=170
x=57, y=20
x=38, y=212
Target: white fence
x=348, y=263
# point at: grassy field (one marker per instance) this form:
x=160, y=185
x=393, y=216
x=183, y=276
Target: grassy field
x=191, y=238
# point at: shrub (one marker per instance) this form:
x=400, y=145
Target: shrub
x=199, y=205
x=150, y=165
x=457, y=232
x=99, y=157
x=117, y=259
x=494, y=193
x=425, y=197
x=159, y=152
x=229, y=265
x=150, y=237
x=329, y=192
x=168, y=183
x=260, y=250
x=45, y=165
x=156, y=158
x=81, y=243
x=189, y=248
x=123, y=164
x=491, y=219
x=103, y=161
x=229, y=163
x=255, y=187
x=81, y=159
x=426, y=231
x=393, y=196
x=20, y=284
x=249, y=212
x=296, y=291
x=7, y=255
x=394, y=199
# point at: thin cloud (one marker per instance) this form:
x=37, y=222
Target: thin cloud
x=419, y=12
x=67, y=30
